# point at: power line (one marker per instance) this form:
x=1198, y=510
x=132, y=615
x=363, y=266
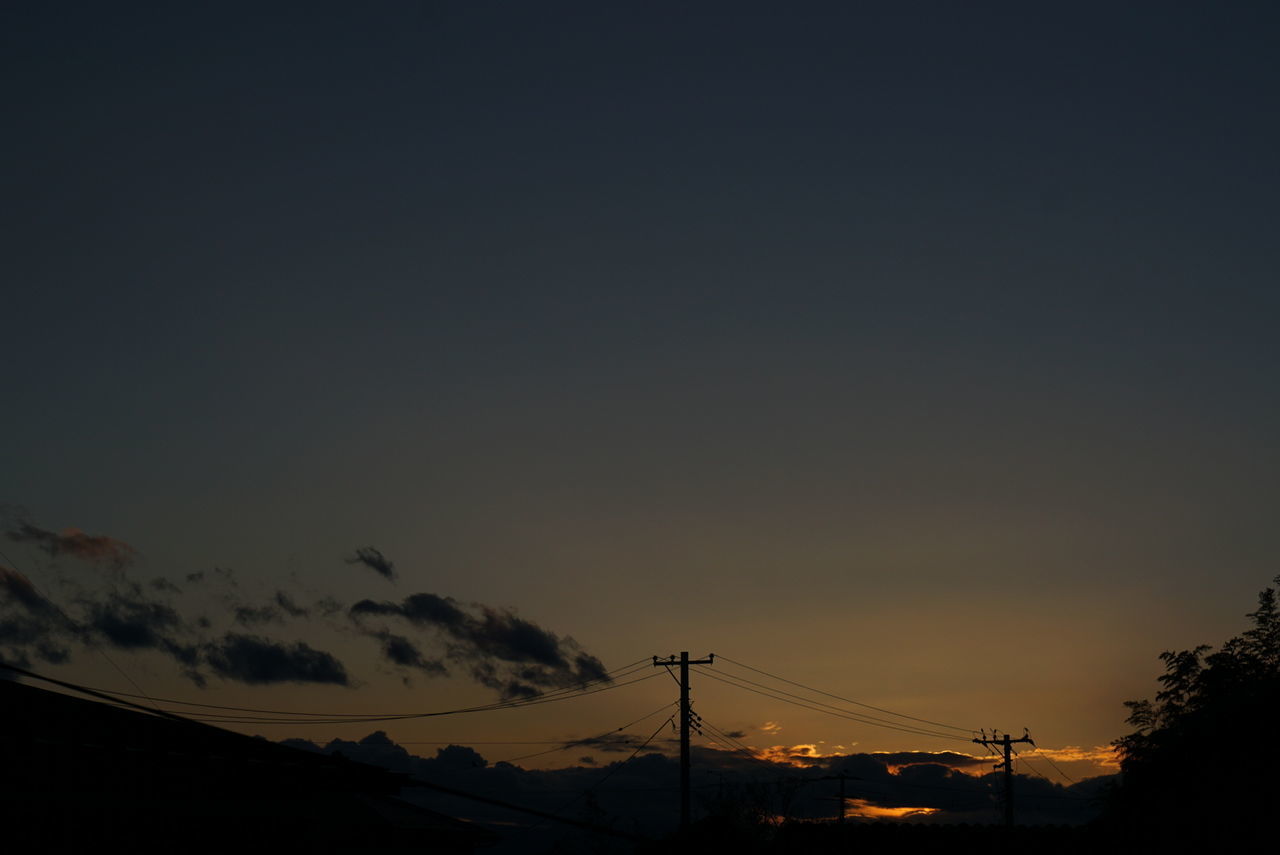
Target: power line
x=411, y=716
x=819, y=706
x=83, y=633
x=613, y=675
x=863, y=717
x=614, y=767
x=565, y=746
x=847, y=700
x=1040, y=754
x=559, y=695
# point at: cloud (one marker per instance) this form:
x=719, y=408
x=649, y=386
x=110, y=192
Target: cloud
x=97, y=548
x=280, y=608
x=960, y=762
x=30, y=625
x=229, y=636
x=401, y=651
x=164, y=585
x=253, y=615
x=18, y=589
x=727, y=784
x=506, y=652
x=132, y=623
x=256, y=660
x=289, y=607
x=805, y=754
x=1101, y=756
x=375, y=561
x=126, y=615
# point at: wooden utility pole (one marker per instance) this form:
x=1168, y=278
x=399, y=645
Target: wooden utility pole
x=842, y=777
x=1007, y=744
x=685, y=714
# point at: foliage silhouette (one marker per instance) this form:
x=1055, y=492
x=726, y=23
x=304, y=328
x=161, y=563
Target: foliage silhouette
x=1202, y=758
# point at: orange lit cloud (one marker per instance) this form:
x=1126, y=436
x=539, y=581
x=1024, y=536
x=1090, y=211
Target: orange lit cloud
x=73, y=541
x=804, y=754
x=864, y=809
x=968, y=764
x=1104, y=757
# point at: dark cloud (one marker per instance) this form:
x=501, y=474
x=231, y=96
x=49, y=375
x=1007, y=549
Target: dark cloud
x=613, y=742
x=495, y=647
x=288, y=606
x=30, y=625
x=133, y=617
x=460, y=757
x=279, y=610
x=328, y=607
x=253, y=615
x=728, y=783
x=375, y=561
x=506, y=652
x=73, y=542
x=18, y=589
x=132, y=622
x=257, y=660
x=403, y=652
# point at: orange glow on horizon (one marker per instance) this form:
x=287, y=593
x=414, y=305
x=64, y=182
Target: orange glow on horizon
x=864, y=809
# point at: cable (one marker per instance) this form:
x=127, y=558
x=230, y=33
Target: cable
x=550, y=697
x=85, y=635
x=735, y=746
x=358, y=717
x=817, y=706
x=409, y=716
x=613, y=768
x=613, y=675
x=846, y=700
x=1049, y=760
x=564, y=746
x=1027, y=763
x=859, y=716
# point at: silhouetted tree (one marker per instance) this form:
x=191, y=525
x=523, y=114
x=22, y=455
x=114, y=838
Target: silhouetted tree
x=1203, y=759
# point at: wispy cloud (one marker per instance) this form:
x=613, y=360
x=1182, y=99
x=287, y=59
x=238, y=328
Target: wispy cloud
x=375, y=561
x=71, y=541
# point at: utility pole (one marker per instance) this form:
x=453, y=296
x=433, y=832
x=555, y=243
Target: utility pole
x=685, y=714
x=842, y=777
x=1007, y=744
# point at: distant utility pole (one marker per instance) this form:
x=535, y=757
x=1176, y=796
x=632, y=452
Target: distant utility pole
x=685, y=714
x=1007, y=744
x=842, y=777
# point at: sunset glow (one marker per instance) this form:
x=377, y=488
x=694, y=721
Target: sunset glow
x=534, y=393
x=864, y=809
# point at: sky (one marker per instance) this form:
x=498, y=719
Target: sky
x=922, y=353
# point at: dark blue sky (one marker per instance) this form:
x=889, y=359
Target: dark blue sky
x=871, y=314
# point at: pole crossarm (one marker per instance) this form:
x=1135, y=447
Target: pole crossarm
x=1006, y=742
x=685, y=715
